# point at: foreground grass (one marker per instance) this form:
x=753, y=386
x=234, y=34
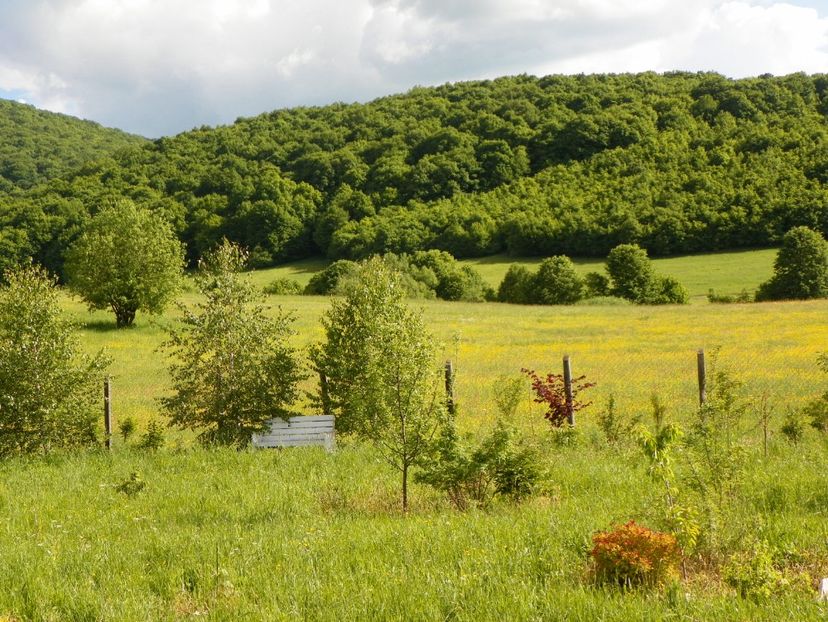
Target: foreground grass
x=226, y=535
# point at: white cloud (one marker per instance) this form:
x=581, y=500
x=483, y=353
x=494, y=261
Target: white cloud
x=161, y=66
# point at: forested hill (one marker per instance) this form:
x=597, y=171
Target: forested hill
x=678, y=162
x=36, y=145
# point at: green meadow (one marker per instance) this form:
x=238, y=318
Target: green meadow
x=301, y=534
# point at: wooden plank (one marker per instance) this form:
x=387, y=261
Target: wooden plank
x=294, y=443
x=270, y=438
x=281, y=425
x=300, y=431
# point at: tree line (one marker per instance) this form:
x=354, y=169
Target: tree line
x=680, y=162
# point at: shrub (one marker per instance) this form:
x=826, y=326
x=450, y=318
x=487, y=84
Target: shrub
x=752, y=574
x=741, y=297
x=793, y=427
x=800, y=270
x=633, y=278
x=470, y=475
x=283, y=287
x=516, y=285
x=668, y=291
x=556, y=282
x=327, y=281
x=596, y=285
x=126, y=427
x=631, y=272
x=49, y=390
x=633, y=555
x=153, y=438
x=454, y=281
x=132, y=485
x=551, y=391
x=614, y=425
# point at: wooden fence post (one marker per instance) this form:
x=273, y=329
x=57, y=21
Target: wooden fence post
x=323, y=390
x=452, y=407
x=108, y=412
x=567, y=374
x=702, y=378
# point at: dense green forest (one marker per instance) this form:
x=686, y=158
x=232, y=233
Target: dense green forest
x=677, y=163
x=36, y=146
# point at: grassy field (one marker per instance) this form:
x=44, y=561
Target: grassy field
x=300, y=534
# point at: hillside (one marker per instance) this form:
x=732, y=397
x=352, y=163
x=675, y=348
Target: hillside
x=679, y=163
x=36, y=145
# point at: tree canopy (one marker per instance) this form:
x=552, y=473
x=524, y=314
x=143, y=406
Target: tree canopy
x=575, y=165
x=126, y=259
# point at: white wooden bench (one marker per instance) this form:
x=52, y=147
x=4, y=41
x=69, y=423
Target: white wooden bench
x=298, y=432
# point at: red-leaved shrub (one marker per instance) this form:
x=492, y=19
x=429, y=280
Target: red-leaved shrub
x=632, y=555
x=551, y=390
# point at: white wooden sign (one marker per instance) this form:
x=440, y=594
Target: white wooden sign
x=298, y=432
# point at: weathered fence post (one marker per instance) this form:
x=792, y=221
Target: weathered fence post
x=323, y=391
x=567, y=375
x=452, y=407
x=108, y=412
x=702, y=378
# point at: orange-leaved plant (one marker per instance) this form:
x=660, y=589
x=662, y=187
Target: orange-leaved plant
x=633, y=555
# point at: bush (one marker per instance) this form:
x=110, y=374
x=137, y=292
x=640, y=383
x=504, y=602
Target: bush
x=516, y=285
x=632, y=555
x=454, y=281
x=473, y=475
x=126, y=428
x=633, y=278
x=752, y=574
x=49, y=390
x=283, y=286
x=556, y=282
x=551, y=392
x=668, y=291
x=631, y=272
x=604, y=301
x=153, y=438
x=614, y=425
x=596, y=285
x=793, y=427
x=741, y=297
x=800, y=270
x=327, y=281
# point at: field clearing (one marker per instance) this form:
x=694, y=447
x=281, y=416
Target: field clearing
x=630, y=352
x=300, y=534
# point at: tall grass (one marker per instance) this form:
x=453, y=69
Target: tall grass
x=226, y=535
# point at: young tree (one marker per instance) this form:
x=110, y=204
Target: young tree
x=48, y=390
x=232, y=369
x=378, y=360
x=126, y=259
x=800, y=270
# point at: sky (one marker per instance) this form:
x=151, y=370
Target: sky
x=159, y=67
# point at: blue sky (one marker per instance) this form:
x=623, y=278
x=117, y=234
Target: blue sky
x=159, y=67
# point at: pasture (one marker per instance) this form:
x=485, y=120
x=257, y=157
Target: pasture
x=300, y=534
